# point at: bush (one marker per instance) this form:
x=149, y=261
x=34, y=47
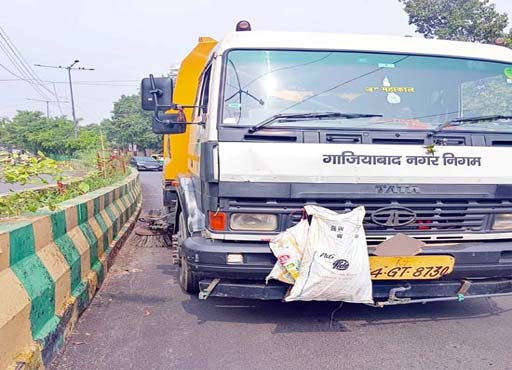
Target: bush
x=103, y=169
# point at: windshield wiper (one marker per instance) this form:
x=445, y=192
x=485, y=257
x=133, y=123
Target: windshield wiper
x=246, y=92
x=293, y=117
x=240, y=90
x=469, y=120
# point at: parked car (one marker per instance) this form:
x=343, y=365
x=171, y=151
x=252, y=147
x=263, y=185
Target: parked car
x=159, y=158
x=146, y=164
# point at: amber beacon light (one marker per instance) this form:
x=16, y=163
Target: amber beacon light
x=243, y=26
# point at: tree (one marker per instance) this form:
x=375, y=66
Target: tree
x=461, y=20
x=3, y=131
x=33, y=132
x=508, y=39
x=129, y=124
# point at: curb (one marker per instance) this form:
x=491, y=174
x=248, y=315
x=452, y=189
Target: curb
x=51, y=266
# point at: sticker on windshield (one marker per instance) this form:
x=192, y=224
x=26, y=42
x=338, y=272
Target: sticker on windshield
x=390, y=89
x=508, y=72
x=386, y=65
x=235, y=105
x=394, y=98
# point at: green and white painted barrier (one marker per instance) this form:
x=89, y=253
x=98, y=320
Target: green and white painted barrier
x=52, y=264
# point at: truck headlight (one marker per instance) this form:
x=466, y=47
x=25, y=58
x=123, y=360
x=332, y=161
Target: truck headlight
x=502, y=222
x=253, y=221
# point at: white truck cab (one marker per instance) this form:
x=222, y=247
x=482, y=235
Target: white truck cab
x=417, y=131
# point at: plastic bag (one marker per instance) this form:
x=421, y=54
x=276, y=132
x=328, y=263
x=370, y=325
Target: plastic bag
x=288, y=247
x=335, y=264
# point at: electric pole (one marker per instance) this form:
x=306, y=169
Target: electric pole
x=69, y=68
x=48, y=104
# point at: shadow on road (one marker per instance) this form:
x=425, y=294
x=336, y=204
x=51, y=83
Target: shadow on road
x=325, y=316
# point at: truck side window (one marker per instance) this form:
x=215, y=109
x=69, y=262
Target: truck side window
x=205, y=91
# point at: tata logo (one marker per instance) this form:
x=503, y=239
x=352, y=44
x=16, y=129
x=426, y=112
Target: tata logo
x=394, y=216
x=397, y=189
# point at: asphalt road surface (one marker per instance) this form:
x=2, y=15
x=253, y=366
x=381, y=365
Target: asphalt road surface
x=7, y=188
x=142, y=320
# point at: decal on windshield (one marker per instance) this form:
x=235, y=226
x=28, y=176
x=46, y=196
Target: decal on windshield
x=508, y=72
x=386, y=65
x=447, y=159
x=390, y=89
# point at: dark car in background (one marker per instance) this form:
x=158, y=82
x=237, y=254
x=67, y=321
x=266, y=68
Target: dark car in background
x=146, y=164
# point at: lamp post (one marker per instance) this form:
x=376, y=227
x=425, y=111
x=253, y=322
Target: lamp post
x=48, y=104
x=69, y=68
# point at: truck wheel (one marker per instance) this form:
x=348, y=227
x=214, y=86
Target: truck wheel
x=189, y=281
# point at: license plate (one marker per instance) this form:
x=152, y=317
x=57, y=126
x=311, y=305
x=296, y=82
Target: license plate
x=410, y=268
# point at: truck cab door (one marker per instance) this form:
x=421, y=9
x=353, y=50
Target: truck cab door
x=200, y=116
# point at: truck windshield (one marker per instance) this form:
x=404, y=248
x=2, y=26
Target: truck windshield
x=409, y=91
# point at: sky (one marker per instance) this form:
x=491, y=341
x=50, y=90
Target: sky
x=125, y=40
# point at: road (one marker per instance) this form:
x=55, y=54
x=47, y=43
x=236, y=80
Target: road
x=6, y=188
x=142, y=320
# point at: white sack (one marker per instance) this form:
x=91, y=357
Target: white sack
x=335, y=264
x=288, y=247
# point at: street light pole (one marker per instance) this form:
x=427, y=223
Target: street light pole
x=75, y=122
x=69, y=68
x=47, y=104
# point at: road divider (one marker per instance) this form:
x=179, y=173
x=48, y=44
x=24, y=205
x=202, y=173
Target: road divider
x=52, y=264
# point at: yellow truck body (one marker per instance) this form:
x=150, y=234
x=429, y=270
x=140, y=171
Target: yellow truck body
x=176, y=147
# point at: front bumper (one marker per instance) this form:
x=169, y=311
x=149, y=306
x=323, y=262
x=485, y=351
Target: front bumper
x=142, y=167
x=487, y=265
x=381, y=290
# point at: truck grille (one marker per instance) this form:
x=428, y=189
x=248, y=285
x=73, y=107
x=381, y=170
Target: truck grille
x=429, y=215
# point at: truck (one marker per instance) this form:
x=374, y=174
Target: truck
x=417, y=131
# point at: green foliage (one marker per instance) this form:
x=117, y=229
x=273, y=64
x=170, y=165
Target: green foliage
x=33, y=132
x=22, y=202
x=3, y=130
x=103, y=168
x=508, y=39
x=84, y=187
x=129, y=124
x=26, y=201
x=23, y=169
x=462, y=20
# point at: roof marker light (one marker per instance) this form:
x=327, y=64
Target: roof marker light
x=243, y=26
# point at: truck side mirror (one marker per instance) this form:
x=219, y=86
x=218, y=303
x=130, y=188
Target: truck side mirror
x=156, y=93
x=167, y=124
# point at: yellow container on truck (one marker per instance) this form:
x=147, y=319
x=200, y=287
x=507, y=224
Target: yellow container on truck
x=176, y=147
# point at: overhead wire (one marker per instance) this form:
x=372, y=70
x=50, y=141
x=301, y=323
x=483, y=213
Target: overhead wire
x=12, y=73
x=22, y=74
x=30, y=71
x=27, y=74
x=58, y=99
x=86, y=83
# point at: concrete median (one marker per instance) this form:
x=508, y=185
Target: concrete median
x=52, y=264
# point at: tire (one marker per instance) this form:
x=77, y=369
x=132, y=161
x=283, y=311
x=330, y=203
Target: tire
x=188, y=280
